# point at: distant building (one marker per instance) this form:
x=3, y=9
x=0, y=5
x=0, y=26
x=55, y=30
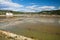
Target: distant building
x=9, y=14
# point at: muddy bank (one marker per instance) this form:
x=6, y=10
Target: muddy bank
x=12, y=36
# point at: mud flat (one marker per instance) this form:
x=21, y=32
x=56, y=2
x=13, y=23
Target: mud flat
x=41, y=28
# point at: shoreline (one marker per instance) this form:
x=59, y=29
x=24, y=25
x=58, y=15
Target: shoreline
x=22, y=15
x=9, y=35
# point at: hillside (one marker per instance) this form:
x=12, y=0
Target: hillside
x=52, y=12
x=2, y=12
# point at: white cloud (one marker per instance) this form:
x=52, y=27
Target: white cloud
x=4, y=0
x=27, y=10
x=40, y=8
x=9, y=5
x=31, y=7
x=9, y=9
x=59, y=8
x=47, y=8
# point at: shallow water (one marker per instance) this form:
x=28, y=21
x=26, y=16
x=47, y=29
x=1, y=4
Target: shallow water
x=25, y=22
x=35, y=27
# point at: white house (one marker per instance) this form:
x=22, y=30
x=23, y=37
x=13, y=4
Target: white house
x=8, y=14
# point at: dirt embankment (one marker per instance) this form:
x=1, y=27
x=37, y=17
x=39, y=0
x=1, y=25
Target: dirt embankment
x=12, y=36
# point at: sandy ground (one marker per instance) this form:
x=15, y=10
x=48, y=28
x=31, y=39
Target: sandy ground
x=12, y=36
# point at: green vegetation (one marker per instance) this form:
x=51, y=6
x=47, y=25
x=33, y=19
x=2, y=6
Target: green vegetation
x=3, y=12
x=52, y=12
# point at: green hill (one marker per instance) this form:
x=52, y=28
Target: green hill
x=2, y=12
x=52, y=12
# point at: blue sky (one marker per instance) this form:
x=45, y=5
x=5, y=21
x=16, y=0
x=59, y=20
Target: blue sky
x=39, y=2
x=29, y=5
